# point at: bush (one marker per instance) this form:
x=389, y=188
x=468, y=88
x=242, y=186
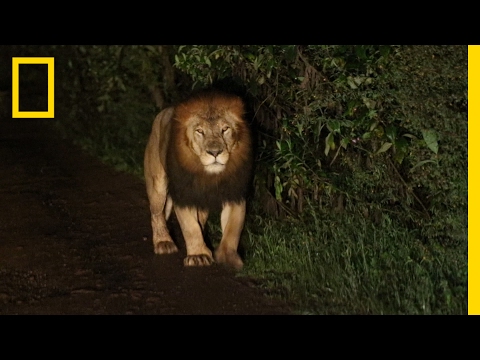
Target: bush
x=375, y=129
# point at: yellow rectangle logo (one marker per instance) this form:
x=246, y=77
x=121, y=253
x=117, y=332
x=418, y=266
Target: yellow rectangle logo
x=473, y=179
x=16, y=113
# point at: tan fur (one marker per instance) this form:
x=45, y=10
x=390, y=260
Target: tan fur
x=207, y=137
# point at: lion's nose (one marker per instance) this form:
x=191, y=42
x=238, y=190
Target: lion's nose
x=214, y=153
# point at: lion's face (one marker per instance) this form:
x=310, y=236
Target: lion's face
x=212, y=131
x=212, y=141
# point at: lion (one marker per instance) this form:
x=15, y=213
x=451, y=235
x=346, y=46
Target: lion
x=198, y=160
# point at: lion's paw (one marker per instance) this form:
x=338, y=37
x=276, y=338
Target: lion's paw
x=165, y=247
x=229, y=258
x=198, y=260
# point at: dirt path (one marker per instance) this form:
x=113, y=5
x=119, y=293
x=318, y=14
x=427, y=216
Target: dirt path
x=72, y=240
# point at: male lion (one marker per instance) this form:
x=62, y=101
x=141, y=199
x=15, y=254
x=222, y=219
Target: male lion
x=199, y=159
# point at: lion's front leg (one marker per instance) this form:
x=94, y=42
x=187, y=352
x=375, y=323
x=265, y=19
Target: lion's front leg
x=198, y=254
x=162, y=242
x=232, y=220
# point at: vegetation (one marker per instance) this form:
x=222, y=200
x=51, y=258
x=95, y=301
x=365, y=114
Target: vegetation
x=360, y=199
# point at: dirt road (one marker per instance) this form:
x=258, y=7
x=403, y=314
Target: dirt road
x=72, y=240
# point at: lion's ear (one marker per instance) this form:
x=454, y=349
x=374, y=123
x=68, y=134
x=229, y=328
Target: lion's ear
x=237, y=107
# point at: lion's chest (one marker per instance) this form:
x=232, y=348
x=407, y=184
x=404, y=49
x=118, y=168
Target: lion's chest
x=207, y=192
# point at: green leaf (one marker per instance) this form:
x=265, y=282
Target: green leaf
x=373, y=125
x=334, y=126
x=384, y=147
x=401, y=149
x=399, y=156
x=410, y=136
x=250, y=56
x=430, y=137
x=291, y=52
x=420, y=163
x=391, y=132
x=367, y=135
x=359, y=80
x=369, y=103
x=360, y=51
x=401, y=145
x=151, y=48
x=378, y=131
x=385, y=50
x=329, y=143
x=300, y=129
x=351, y=83
x=207, y=61
x=278, y=188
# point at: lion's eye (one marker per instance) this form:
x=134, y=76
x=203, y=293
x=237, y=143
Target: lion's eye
x=225, y=129
x=199, y=131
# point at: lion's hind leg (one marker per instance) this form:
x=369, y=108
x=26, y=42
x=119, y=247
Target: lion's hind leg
x=160, y=208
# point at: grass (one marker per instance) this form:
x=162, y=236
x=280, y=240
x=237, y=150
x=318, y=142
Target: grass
x=349, y=266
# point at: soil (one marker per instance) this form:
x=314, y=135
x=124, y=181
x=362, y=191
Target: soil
x=75, y=238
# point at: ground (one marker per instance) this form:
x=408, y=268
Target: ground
x=75, y=238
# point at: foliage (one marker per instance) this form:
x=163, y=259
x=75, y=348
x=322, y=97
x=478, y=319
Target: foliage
x=376, y=128
x=108, y=91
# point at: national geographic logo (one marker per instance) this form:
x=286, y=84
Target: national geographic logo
x=16, y=62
